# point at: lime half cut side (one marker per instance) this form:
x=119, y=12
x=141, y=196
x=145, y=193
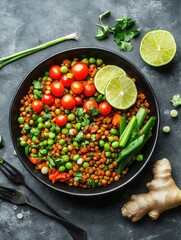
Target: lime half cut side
x=121, y=92
x=157, y=47
x=104, y=75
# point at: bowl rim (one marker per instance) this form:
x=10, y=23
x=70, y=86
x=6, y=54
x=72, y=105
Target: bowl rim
x=122, y=185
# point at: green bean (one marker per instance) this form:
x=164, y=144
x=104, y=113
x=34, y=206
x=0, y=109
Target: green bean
x=122, y=124
x=127, y=132
x=140, y=116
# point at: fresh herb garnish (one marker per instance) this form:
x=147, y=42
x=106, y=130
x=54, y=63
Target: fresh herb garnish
x=94, y=112
x=77, y=176
x=47, y=116
x=79, y=137
x=91, y=183
x=122, y=31
x=37, y=84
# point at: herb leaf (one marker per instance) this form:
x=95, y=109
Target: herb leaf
x=122, y=31
x=77, y=176
x=37, y=84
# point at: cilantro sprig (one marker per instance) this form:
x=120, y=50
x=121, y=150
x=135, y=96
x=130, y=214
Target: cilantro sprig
x=122, y=31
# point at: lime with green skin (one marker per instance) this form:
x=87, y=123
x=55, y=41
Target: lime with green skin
x=158, y=47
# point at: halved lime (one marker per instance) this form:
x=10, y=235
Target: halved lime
x=158, y=47
x=121, y=92
x=105, y=74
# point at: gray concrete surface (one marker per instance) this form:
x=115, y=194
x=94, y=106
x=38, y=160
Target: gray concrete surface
x=26, y=24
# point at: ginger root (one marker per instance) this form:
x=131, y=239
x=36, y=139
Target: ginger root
x=163, y=194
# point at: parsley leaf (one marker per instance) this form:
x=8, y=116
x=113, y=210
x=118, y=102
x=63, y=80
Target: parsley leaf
x=37, y=84
x=77, y=176
x=122, y=31
x=79, y=137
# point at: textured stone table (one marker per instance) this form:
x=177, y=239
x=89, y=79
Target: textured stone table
x=26, y=24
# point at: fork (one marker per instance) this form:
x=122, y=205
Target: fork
x=17, y=197
x=16, y=177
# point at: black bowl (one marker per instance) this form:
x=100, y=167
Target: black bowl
x=109, y=57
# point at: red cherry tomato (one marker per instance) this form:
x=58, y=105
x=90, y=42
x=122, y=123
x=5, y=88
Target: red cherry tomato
x=77, y=87
x=61, y=120
x=47, y=99
x=105, y=108
x=66, y=81
x=78, y=100
x=55, y=72
x=80, y=70
x=37, y=105
x=57, y=88
x=89, y=89
x=89, y=104
x=68, y=101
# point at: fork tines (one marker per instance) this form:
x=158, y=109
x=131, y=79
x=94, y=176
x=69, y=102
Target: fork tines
x=6, y=168
x=6, y=193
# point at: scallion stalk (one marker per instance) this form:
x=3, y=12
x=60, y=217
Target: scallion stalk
x=6, y=60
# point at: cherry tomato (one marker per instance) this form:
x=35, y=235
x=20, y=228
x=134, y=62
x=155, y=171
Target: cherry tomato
x=89, y=89
x=88, y=104
x=105, y=108
x=66, y=81
x=78, y=100
x=37, y=105
x=68, y=101
x=57, y=88
x=47, y=99
x=77, y=87
x=55, y=72
x=80, y=70
x=61, y=120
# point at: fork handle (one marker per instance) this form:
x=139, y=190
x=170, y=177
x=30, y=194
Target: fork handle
x=76, y=232
x=42, y=201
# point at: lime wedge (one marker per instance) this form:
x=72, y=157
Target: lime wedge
x=105, y=74
x=121, y=92
x=157, y=47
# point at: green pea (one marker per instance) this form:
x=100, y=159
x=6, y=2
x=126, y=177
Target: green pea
x=35, y=131
x=44, y=143
x=47, y=124
x=73, y=62
x=61, y=168
x=43, y=152
x=85, y=60
x=71, y=117
x=111, y=139
x=57, y=129
x=65, y=130
x=99, y=62
x=108, y=154
x=65, y=149
x=40, y=125
x=75, y=144
x=64, y=69
x=85, y=164
x=21, y=120
x=45, y=78
x=34, y=138
x=62, y=142
x=57, y=111
x=107, y=147
x=115, y=144
x=40, y=120
x=101, y=143
x=34, y=117
x=23, y=143
x=92, y=60
x=76, y=157
x=66, y=111
x=52, y=135
x=65, y=158
x=69, y=165
x=113, y=131
x=50, y=141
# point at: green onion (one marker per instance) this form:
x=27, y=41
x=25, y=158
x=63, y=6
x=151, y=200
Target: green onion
x=9, y=59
